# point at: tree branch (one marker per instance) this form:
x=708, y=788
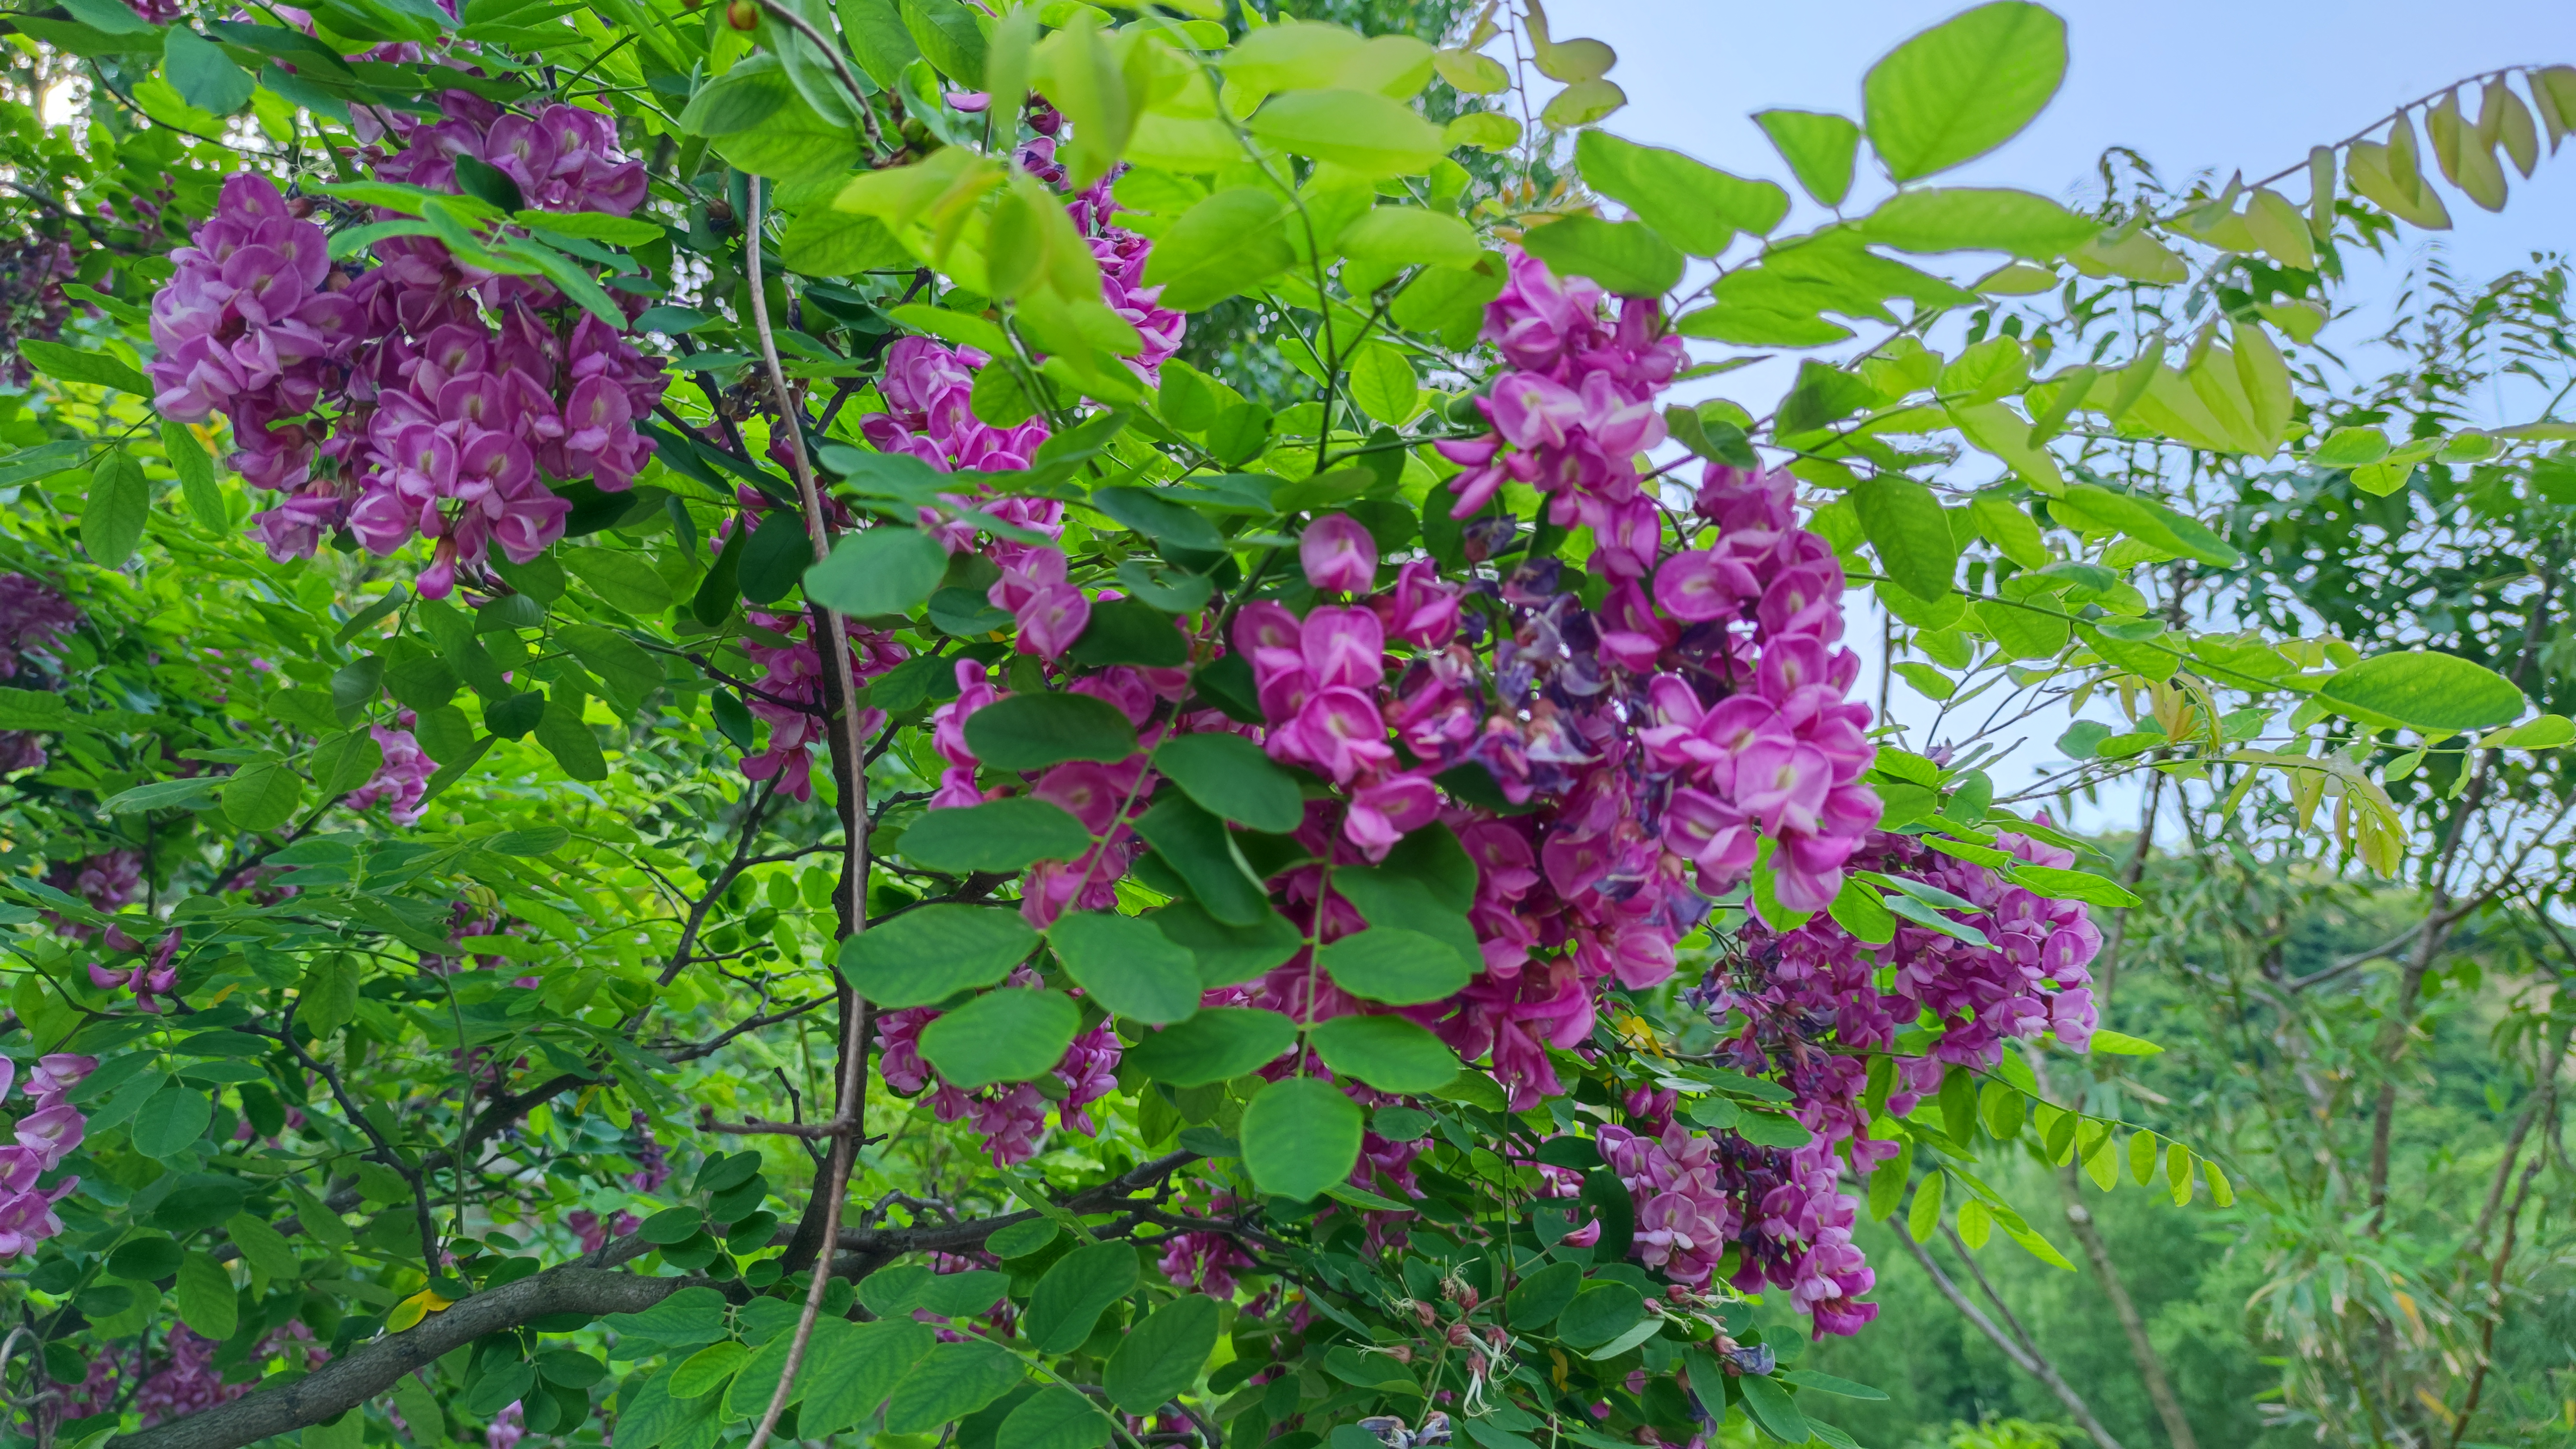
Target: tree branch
x=2027, y=1358
x=344, y=1383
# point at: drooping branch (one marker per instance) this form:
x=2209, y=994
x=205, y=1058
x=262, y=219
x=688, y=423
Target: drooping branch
x=2024, y=1354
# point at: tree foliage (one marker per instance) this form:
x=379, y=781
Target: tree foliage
x=674, y=774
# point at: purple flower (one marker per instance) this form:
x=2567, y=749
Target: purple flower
x=1338, y=554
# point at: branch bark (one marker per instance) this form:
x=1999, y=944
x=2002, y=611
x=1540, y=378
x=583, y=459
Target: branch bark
x=344, y=1383
x=2024, y=1355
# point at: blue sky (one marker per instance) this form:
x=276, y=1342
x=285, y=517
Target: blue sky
x=2193, y=85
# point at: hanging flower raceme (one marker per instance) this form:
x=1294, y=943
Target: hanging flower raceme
x=401, y=783
x=255, y=324
x=1011, y=1117
x=447, y=428
x=789, y=695
x=45, y=1135
x=34, y=617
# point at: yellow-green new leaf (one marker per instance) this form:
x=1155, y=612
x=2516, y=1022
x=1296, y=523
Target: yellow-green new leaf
x=1978, y=219
x=1412, y=236
x=1963, y=87
x=1694, y=205
x=1818, y=147
x=1366, y=132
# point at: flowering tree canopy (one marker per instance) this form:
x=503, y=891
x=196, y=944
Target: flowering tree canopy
x=1037, y=722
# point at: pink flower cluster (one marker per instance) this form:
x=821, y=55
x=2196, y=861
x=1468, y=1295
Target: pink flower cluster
x=45, y=1136
x=1759, y=727
x=155, y=977
x=562, y=159
x=189, y=1381
x=1121, y=254
x=791, y=696
x=1578, y=407
x=402, y=781
x=1011, y=1117
x=449, y=429
x=108, y=881
x=254, y=324
x=34, y=617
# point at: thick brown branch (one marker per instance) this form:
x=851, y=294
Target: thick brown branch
x=344, y=1383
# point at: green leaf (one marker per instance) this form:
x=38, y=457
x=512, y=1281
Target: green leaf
x=1541, y=1296
x=1962, y=88
x=346, y=761
x=951, y=1381
x=1818, y=148
x=792, y=144
x=119, y=501
x=853, y=1372
x=2121, y=1044
x=1009, y=1035
x=931, y=953
x=1001, y=835
x=1130, y=631
x=1383, y=384
x=1628, y=257
x=623, y=665
x=1159, y=517
x=1599, y=1313
x=1692, y=205
x=561, y=731
x=625, y=580
x=1924, y=1218
x=1859, y=909
x=1825, y=1383
x=1367, y=133
x=171, y=1121
x=2425, y=691
x=1978, y=219
x=756, y=1382
x=1217, y=1045
x=1161, y=1357
x=1031, y=731
x=897, y=1292
x=196, y=477
x=877, y=36
x=1127, y=965
x=1055, y=1417
x=205, y=1294
x=1911, y=532
x=1300, y=1136
x=327, y=997
x=1226, y=244
x=1069, y=1300
x=1228, y=955
x=163, y=795
x=1230, y=776
x=949, y=38
x=2147, y=521
x=262, y=796
x=1393, y=965
x=2542, y=732
x=1771, y=1406
x=2073, y=885
x=878, y=572
x=66, y=363
x=1195, y=843
x=821, y=242
x=1387, y=1052
x=1411, y=236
